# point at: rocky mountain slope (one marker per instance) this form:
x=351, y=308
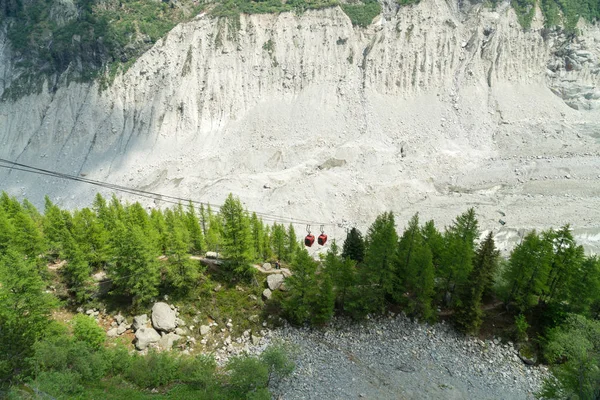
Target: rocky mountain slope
x=433, y=108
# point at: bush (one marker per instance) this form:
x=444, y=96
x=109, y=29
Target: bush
x=86, y=329
x=153, y=370
x=248, y=375
x=521, y=326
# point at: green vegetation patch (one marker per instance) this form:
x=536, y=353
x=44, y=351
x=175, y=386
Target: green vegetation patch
x=565, y=13
x=362, y=14
x=83, y=37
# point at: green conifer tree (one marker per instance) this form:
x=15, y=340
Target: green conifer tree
x=278, y=240
x=380, y=256
x=237, y=235
x=323, y=303
x=204, y=220
x=214, y=232
x=354, y=246
x=195, y=230
x=27, y=237
x=182, y=272
x=77, y=271
x=6, y=231
x=435, y=241
x=54, y=228
x=457, y=260
x=469, y=314
x=91, y=238
x=258, y=237
x=135, y=269
x=584, y=287
x=292, y=243
x=527, y=274
x=415, y=274
x=566, y=261
x=342, y=274
x=302, y=287
x=267, y=243
x=24, y=312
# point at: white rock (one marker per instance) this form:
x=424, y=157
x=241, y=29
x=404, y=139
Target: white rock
x=139, y=321
x=274, y=281
x=163, y=317
x=267, y=294
x=204, y=329
x=113, y=332
x=145, y=336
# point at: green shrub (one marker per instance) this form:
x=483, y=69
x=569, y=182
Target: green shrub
x=86, y=329
x=248, y=375
x=521, y=326
x=153, y=370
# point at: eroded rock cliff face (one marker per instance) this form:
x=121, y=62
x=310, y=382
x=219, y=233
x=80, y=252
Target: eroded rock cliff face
x=432, y=108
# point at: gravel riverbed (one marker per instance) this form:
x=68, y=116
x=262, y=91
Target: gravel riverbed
x=396, y=358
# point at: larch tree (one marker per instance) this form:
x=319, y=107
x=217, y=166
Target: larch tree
x=566, y=261
x=27, y=237
x=415, y=273
x=354, y=246
x=91, y=237
x=195, y=230
x=292, y=243
x=435, y=241
x=459, y=241
x=25, y=310
x=485, y=263
x=6, y=231
x=182, y=272
x=584, y=287
x=303, y=288
x=379, y=265
x=527, y=274
x=77, y=271
x=278, y=241
x=258, y=237
x=134, y=270
x=237, y=235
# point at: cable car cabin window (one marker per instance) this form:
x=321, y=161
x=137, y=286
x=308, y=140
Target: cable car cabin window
x=309, y=240
x=322, y=239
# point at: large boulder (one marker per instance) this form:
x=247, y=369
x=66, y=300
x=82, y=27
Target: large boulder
x=163, y=317
x=166, y=342
x=145, y=336
x=267, y=294
x=139, y=321
x=267, y=266
x=274, y=281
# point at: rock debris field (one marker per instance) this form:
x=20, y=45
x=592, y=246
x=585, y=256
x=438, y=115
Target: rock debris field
x=395, y=358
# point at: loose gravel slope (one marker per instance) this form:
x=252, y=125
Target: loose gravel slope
x=396, y=358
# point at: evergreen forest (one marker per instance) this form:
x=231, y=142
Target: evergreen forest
x=545, y=295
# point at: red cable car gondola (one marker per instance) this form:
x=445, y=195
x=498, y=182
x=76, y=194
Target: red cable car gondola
x=309, y=239
x=322, y=237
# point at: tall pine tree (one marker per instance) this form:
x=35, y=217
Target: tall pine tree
x=237, y=235
x=354, y=246
x=469, y=313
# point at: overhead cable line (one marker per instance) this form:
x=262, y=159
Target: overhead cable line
x=12, y=165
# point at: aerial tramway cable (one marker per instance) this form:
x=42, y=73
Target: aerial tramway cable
x=12, y=165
